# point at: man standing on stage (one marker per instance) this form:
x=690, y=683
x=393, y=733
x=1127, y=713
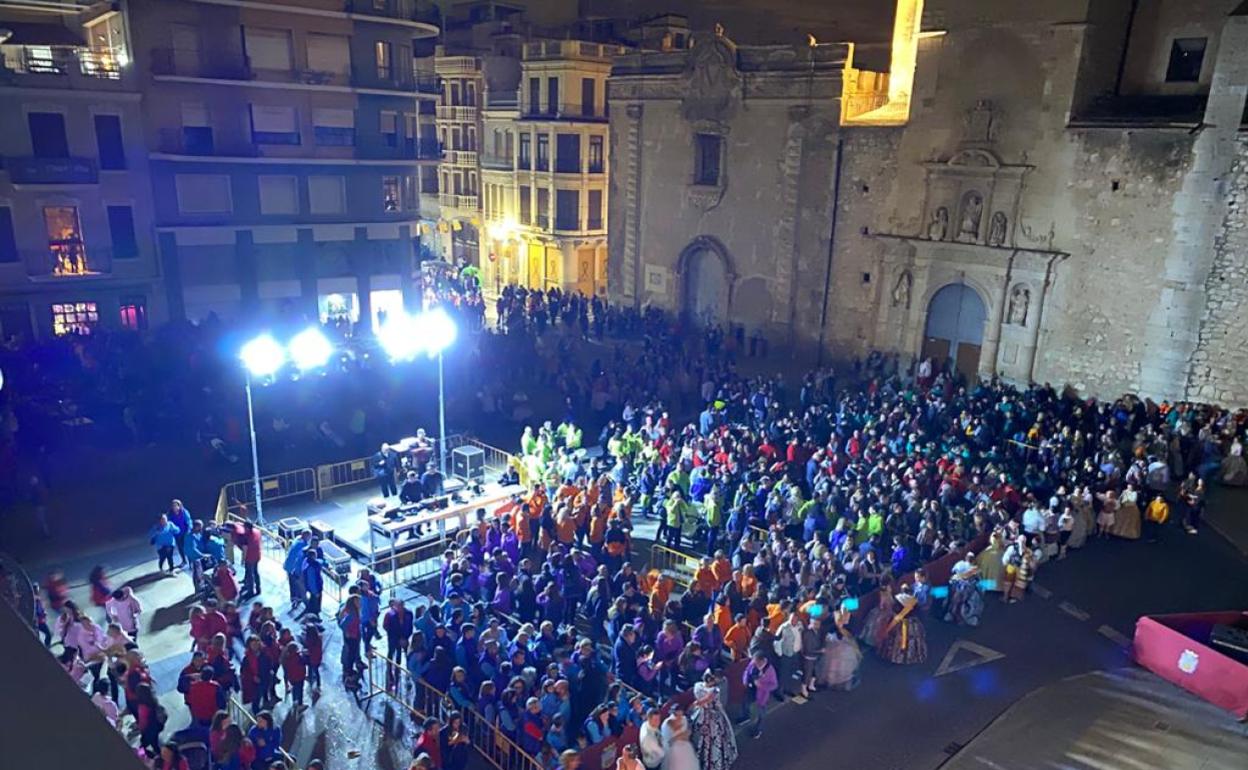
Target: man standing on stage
x=384, y=463
x=432, y=481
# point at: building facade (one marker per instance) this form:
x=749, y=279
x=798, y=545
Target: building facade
x=290, y=145
x=76, y=218
x=545, y=172
x=1049, y=194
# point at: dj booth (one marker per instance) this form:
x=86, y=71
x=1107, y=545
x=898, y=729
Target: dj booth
x=398, y=533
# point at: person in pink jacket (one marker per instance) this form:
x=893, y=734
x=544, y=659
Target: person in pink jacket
x=760, y=682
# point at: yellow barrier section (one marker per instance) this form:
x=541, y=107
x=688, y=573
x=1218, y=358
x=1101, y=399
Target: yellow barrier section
x=679, y=565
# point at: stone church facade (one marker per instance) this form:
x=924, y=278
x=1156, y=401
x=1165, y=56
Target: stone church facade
x=1064, y=200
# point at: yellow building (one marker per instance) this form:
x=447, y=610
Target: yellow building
x=544, y=170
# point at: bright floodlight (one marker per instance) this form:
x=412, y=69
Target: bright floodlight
x=400, y=336
x=437, y=331
x=263, y=356
x=310, y=349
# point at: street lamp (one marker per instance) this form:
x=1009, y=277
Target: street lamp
x=403, y=337
x=310, y=349
x=262, y=357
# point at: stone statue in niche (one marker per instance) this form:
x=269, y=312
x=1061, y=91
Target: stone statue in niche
x=938, y=228
x=901, y=290
x=972, y=212
x=980, y=123
x=1020, y=298
x=996, y=229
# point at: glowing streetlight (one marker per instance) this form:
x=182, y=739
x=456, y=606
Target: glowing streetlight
x=263, y=356
x=310, y=349
x=403, y=337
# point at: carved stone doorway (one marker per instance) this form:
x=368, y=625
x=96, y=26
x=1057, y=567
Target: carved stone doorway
x=955, y=328
x=707, y=287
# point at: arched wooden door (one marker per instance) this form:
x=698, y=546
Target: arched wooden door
x=706, y=288
x=955, y=328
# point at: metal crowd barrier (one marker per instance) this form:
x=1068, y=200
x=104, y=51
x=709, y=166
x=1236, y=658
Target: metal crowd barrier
x=679, y=565
x=240, y=716
x=421, y=700
x=278, y=486
x=274, y=546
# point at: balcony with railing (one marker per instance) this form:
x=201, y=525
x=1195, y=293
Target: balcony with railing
x=565, y=112
x=460, y=112
x=454, y=201
x=497, y=163
x=51, y=171
x=578, y=50
x=400, y=10
x=63, y=66
x=187, y=63
x=68, y=260
x=502, y=100
x=460, y=158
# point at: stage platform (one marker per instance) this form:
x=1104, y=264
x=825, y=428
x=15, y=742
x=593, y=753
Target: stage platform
x=347, y=514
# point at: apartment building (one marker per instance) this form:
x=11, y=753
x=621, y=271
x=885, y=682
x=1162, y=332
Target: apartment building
x=76, y=222
x=290, y=143
x=544, y=179
x=459, y=129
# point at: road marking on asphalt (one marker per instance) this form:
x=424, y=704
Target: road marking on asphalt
x=1114, y=635
x=1041, y=591
x=1073, y=611
x=982, y=655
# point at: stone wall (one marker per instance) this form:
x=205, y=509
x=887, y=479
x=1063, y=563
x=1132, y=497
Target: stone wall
x=1220, y=363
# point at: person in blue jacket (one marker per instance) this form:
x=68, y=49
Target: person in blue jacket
x=313, y=581
x=294, y=567
x=165, y=537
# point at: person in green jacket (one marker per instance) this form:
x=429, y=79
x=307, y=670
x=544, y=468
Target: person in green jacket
x=677, y=510
x=713, y=512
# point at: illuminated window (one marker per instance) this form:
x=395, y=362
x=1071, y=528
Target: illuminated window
x=382, y=54
x=390, y=193
x=69, y=255
x=134, y=313
x=74, y=318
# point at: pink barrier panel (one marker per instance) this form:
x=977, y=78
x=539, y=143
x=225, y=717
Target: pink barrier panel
x=1171, y=647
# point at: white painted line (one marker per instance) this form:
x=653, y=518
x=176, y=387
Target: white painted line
x=982, y=655
x=1073, y=611
x=1114, y=635
x=1041, y=591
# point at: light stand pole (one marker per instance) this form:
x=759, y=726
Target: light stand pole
x=255, y=454
x=441, y=421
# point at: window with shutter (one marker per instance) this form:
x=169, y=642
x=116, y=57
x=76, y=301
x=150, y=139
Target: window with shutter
x=327, y=194
x=279, y=194
x=333, y=127
x=268, y=49
x=329, y=53
x=203, y=193
x=274, y=125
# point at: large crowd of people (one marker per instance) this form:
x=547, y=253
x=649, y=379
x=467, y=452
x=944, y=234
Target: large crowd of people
x=810, y=509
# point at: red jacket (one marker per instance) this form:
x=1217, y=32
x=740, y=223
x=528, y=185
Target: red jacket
x=428, y=744
x=293, y=668
x=203, y=699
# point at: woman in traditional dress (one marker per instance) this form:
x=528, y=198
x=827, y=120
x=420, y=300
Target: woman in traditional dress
x=1081, y=505
x=875, y=627
x=966, y=599
x=1108, y=515
x=1020, y=560
x=905, y=640
x=713, y=736
x=988, y=563
x=678, y=750
x=1127, y=520
x=838, y=669
x=1234, y=470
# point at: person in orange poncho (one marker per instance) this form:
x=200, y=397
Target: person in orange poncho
x=737, y=638
x=527, y=523
x=704, y=580
x=748, y=584
x=722, y=569
x=565, y=526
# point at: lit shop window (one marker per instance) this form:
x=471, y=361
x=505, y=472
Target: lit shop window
x=74, y=318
